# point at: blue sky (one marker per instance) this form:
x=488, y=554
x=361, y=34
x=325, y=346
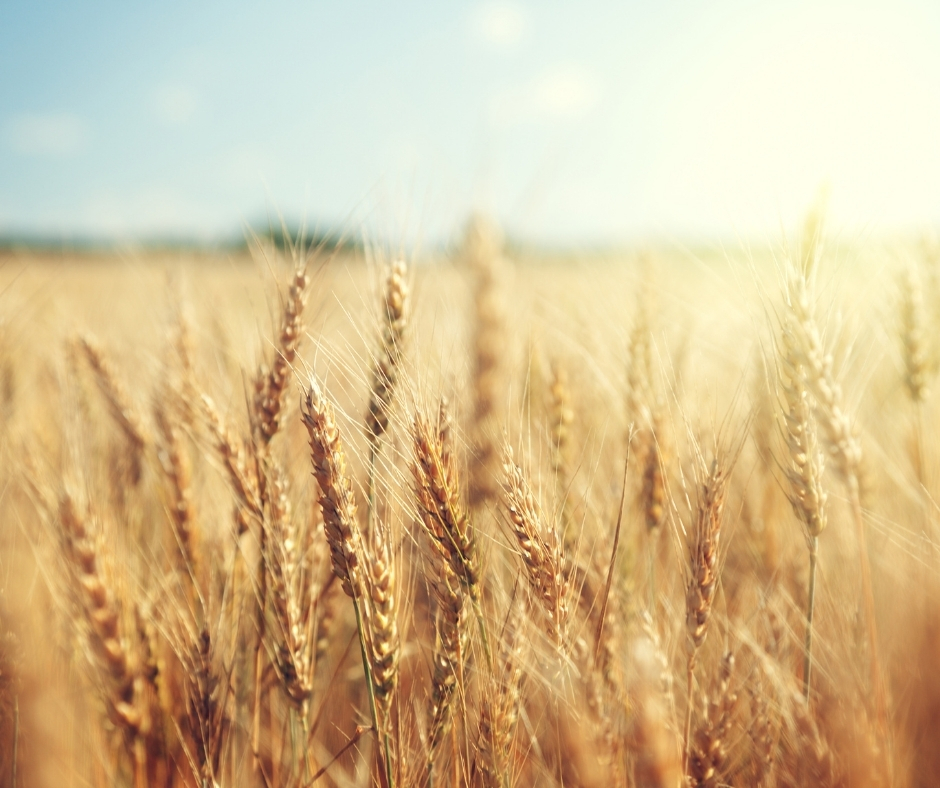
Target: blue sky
x=571, y=122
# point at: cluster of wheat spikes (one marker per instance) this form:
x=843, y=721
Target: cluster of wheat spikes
x=669, y=540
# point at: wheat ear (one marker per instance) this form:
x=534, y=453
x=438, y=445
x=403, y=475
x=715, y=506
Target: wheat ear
x=383, y=625
x=271, y=383
x=338, y=507
x=177, y=467
x=385, y=368
x=804, y=470
x=710, y=749
x=122, y=671
x=115, y=394
x=539, y=546
x=704, y=553
x=845, y=447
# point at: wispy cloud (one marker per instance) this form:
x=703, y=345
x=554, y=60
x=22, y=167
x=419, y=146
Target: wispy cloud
x=566, y=92
x=174, y=105
x=46, y=134
x=499, y=24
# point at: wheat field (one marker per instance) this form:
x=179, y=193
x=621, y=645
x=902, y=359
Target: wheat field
x=482, y=517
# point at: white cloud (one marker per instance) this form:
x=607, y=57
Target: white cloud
x=47, y=134
x=245, y=165
x=499, y=24
x=174, y=105
x=564, y=93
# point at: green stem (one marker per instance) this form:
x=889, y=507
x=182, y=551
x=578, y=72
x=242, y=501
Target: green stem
x=305, y=725
x=370, y=686
x=478, y=612
x=810, y=604
x=687, y=752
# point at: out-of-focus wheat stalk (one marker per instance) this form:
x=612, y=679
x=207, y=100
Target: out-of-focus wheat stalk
x=804, y=468
x=914, y=355
x=115, y=394
x=703, y=575
x=481, y=249
x=845, y=448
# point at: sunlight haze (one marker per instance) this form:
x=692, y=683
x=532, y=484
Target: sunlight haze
x=590, y=122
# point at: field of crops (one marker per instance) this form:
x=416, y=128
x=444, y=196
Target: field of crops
x=484, y=517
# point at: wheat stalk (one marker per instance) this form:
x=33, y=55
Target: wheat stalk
x=804, y=469
x=481, y=249
x=704, y=553
x=338, y=508
x=115, y=394
x=844, y=446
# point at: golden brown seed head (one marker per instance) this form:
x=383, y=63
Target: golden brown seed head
x=383, y=624
x=385, y=370
x=710, y=746
x=805, y=467
x=271, y=384
x=437, y=491
x=704, y=555
x=561, y=418
x=913, y=341
x=451, y=643
x=337, y=501
x=653, y=486
x=127, y=416
x=843, y=442
x=539, y=546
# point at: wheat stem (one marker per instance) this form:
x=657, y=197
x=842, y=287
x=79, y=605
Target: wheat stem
x=687, y=729
x=810, y=604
